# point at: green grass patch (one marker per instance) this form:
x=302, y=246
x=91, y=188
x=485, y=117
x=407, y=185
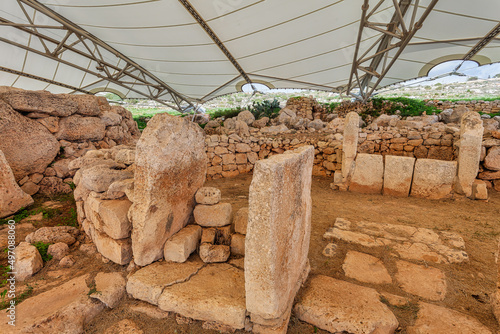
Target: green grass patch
x=472, y=99
x=406, y=107
x=23, y=213
x=71, y=219
x=226, y=113
x=42, y=249
x=5, y=303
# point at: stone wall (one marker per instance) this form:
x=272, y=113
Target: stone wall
x=41, y=133
x=489, y=107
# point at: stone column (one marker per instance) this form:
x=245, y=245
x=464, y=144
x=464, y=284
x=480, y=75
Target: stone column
x=471, y=139
x=350, y=145
x=171, y=165
x=278, y=235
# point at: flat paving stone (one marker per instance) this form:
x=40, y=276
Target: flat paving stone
x=426, y=282
x=216, y=294
x=365, y=268
x=338, y=306
x=432, y=319
x=148, y=283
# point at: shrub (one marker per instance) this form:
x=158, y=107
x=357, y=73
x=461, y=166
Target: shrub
x=42, y=249
x=406, y=106
x=265, y=108
x=226, y=113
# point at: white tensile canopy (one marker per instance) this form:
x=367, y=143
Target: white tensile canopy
x=186, y=52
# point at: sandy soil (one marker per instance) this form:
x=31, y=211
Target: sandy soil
x=470, y=285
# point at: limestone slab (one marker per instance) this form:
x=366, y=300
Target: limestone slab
x=182, y=244
x=110, y=288
x=398, y=174
x=213, y=215
x=433, y=179
x=433, y=319
x=64, y=309
x=170, y=167
x=238, y=244
x=368, y=177
x=214, y=253
x=471, y=141
x=338, y=306
x=216, y=294
x=241, y=221
x=278, y=232
x=426, y=282
x=148, y=283
x=353, y=237
x=365, y=268
x=118, y=251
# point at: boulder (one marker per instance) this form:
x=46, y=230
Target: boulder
x=77, y=129
x=238, y=244
x=110, y=118
x=27, y=145
x=285, y=115
x=171, y=165
x=52, y=185
x=241, y=221
x=214, y=253
x=109, y=216
x=317, y=124
x=40, y=102
x=28, y=261
x=492, y=160
x=213, y=215
x=12, y=198
x=110, y=288
x=208, y=196
x=58, y=250
x=51, y=123
x=88, y=105
x=260, y=123
x=246, y=117
x=53, y=235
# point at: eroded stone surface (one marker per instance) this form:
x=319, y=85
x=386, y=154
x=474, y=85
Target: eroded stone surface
x=216, y=294
x=110, y=288
x=28, y=261
x=278, y=232
x=148, y=283
x=338, y=306
x=368, y=177
x=182, y=244
x=214, y=253
x=426, y=282
x=213, y=215
x=241, y=221
x=398, y=174
x=208, y=196
x=350, y=144
x=433, y=319
x=365, y=268
x=125, y=326
x=171, y=165
x=433, y=179
x=12, y=198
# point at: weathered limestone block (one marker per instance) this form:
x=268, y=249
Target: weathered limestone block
x=338, y=306
x=238, y=244
x=55, y=234
x=88, y=105
x=27, y=145
x=278, y=234
x=492, y=160
x=182, y=244
x=58, y=250
x=99, y=178
x=171, y=165
x=28, y=261
x=350, y=144
x=426, y=282
x=471, y=140
x=213, y=215
x=365, y=268
x=12, y=198
x=368, y=176
x=241, y=221
x=114, y=217
x=118, y=251
x=208, y=196
x=214, y=253
x=433, y=178
x=398, y=175
x=78, y=128
x=40, y=102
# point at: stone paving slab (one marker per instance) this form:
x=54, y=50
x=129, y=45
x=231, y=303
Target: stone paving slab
x=365, y=268
x=426, y=282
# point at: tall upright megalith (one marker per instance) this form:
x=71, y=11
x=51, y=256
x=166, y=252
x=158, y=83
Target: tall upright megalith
x=469, y=156
x=171, y=165
x=278, y=235
x=350, y=144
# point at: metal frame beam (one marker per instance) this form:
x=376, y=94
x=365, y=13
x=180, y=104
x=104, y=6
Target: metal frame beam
x=483, y=42
x=394, y=35
x=194, y=13
x=121, y=70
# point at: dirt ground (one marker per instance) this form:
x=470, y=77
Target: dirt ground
x=470, y=285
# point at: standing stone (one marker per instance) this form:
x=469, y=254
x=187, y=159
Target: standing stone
x=350, y=145
x=368, y=177
x=171, y=165
x=398, y=175
x=278, y=235
x=433, y=178
x=471, y=140
x=12, y=198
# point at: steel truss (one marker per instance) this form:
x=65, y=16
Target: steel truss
x=121, y=70
x=394, y=35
